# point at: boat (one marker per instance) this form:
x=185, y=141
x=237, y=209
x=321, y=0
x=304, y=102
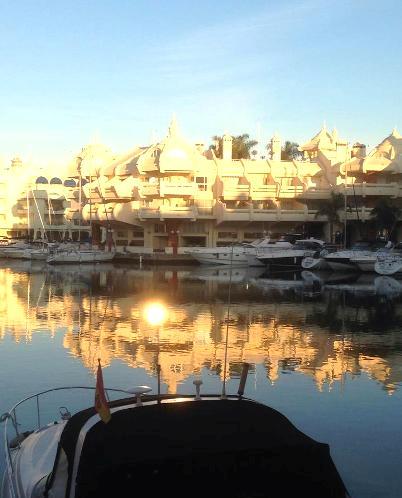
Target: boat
x=391, y=265
x=291, y=257
x=153, y=444
x=242, y=253
x=80, y=256
x=366, y=263
x=341, y=260
x=317, y=260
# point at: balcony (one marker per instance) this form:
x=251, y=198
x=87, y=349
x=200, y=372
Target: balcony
x=110, y=193
x=263, y=192
x=236, y=192
x=316, y=193
x=146, y=213
x=177, y=189
x=364, y=189
x=290, y=191
x=254, y=214
x=167, y=212
x=95, y=194
x=361, y=214
x=149, y=190
x=185, y=212
x=125, y=188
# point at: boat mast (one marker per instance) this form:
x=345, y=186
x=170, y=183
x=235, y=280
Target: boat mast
x=28, y=215
x=345, y=215
x=90, y=209
x=79, y=161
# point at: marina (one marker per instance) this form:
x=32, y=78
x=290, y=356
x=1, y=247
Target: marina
x=325, y=349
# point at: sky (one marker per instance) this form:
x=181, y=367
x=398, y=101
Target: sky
x=77, y=71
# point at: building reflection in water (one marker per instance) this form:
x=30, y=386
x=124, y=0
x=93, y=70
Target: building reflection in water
x=321, y=326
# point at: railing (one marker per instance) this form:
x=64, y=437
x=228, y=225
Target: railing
x=290, y=191
x=149, y=189
x=231, y=192
x=178, y=189
x=12, y=415
x=364, y=188
x=263, y=191
x=148, y=213
x=178, y=212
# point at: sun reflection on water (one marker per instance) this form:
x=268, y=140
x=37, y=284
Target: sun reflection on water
x=155, y=313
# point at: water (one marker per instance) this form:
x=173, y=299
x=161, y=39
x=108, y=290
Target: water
x=325, y=350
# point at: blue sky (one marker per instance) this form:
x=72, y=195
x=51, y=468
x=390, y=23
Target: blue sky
x=118, y=69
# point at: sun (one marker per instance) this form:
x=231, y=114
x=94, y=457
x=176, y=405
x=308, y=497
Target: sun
x=155, y=313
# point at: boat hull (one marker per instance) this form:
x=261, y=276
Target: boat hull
x=340, y=264
x=310, y=263
x=83, y=257
x=388, y=267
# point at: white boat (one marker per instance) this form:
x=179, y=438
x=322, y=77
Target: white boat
x=341, y=260
x=80, y=256
x=13, y=250
x=154, y=445
x=317, y=260
x=390, y=265
x=291, y=257
x=238, y=254
x=366, y=263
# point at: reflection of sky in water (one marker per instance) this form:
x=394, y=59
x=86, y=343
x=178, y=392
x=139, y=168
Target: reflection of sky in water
x=326, y=351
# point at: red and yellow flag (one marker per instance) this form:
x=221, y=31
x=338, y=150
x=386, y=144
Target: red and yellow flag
x=101, y=405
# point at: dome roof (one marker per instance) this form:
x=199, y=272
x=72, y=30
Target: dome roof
x=41, y=180
x=69, y=183
x=56, y=181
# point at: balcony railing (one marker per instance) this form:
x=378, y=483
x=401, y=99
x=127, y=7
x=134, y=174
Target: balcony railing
x=177, y=189
x=363, y=189
x=149, y=189
x=236, y=192
x=290, y=191
x=262, y=192
x=186, y=212
x=223, y=213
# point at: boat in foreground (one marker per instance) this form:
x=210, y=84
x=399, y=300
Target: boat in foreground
x=80, y=256
x=291, y=258
x=203, y=445
x=242, y=253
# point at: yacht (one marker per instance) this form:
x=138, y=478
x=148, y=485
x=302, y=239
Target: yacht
x=366, y=262
x=79, y=256
x=391, y=263
x=291, y=258
x=341, y=260
x=153, y=445
x=317, y=260
x=239, y=253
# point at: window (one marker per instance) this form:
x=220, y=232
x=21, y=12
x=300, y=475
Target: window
x=202, y=182
x=137, y=243
x=253, y=235
x=159, y=228
x=138, y=234
x=227, y=235
x=121, y=242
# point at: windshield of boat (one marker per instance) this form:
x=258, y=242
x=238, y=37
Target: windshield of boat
x=362, y=246
x=307, y=244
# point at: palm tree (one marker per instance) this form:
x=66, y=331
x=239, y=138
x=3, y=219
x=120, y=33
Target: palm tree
x=241, y=146
x=290, y=151
x=385, y=216
x=330, y=208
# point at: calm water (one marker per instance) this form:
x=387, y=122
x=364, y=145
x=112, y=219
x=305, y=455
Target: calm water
x=325, y=351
